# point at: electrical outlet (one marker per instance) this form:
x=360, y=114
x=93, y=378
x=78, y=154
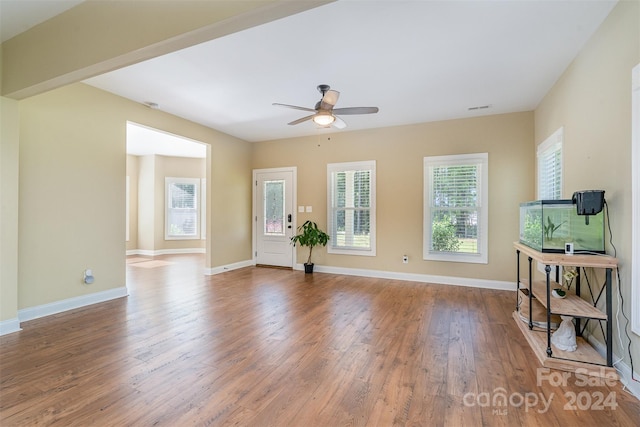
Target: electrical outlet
x=88, y=276
x=405, y=259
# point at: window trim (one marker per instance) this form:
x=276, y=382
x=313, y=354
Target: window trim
x=481, y=159
x=173, y=180
x=369, y=165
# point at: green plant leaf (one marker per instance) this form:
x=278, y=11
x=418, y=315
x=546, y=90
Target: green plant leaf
x=310, y=235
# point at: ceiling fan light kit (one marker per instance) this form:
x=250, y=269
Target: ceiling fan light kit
x=324, y=114
x=323, y=118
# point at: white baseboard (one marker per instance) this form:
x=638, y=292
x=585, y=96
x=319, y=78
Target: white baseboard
x=71, y=303
x=413, y=277
x=625, y=377
x=149, y=252
x=10, y=326
x=624, y=371
x=228, y=267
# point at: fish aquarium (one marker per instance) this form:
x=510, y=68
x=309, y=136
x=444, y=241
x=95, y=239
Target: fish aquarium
x=548, y=225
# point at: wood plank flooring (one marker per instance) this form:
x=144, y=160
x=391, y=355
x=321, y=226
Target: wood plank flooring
x=270, y=347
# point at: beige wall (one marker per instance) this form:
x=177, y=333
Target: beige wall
x=72, y=191
x=9, y=142
x=146, y=203
x=72, y=178
x=399, y=153
x=229, y=204
x=132, y=173
x=592, y=101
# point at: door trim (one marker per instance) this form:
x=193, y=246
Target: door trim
x=254, y=213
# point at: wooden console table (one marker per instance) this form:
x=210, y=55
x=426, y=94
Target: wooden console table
x=585, y=359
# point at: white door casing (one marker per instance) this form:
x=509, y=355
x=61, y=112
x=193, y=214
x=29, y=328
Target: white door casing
x=274, y=216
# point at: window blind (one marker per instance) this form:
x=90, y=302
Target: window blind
x=455, y=209
x=549, y=158
x=351, y=207
x=182, y=212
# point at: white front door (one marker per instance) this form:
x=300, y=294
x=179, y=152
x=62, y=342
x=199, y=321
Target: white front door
x=274, y=221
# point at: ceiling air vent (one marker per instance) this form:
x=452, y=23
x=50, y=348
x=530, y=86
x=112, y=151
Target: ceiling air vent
x=479, y=107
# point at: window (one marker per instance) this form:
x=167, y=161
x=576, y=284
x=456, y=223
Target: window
x=456, y=208
x=549, y=159
x=351, y=202
x=182, y=211
x=550, y=167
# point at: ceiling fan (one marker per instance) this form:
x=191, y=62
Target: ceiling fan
x=324, y=114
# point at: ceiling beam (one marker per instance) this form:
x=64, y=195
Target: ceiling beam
x=99, y=36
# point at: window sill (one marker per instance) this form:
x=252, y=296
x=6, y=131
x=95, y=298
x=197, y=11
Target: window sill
x=357, y=252
x=457, y=257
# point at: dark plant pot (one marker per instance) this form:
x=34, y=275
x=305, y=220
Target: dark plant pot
x=308, y=268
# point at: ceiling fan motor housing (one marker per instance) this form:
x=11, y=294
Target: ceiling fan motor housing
x=323, y=89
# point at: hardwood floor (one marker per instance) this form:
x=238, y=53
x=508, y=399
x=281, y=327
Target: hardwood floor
x=269, y=347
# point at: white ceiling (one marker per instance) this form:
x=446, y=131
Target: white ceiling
x=142, y=141
x=418, y=61
x=17, y=16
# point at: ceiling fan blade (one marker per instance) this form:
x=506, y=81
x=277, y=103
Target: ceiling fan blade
x=338, y=123
x=329, y=99
x=356, y=110
x=302, y=119
x=295, y=107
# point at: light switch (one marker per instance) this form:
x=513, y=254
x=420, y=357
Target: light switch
x=300, y=209
x=308, y=209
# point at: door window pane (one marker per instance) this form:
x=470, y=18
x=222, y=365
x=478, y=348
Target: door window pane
x=274, y=208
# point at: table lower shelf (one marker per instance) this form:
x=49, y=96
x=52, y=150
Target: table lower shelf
x=585, y=360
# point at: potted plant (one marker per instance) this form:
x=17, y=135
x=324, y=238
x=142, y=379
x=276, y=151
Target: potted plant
x=310, y=235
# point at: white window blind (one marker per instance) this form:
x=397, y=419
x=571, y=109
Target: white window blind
x=549, y=158
x=182, y=214
x=455, y=212
x=351, y=208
